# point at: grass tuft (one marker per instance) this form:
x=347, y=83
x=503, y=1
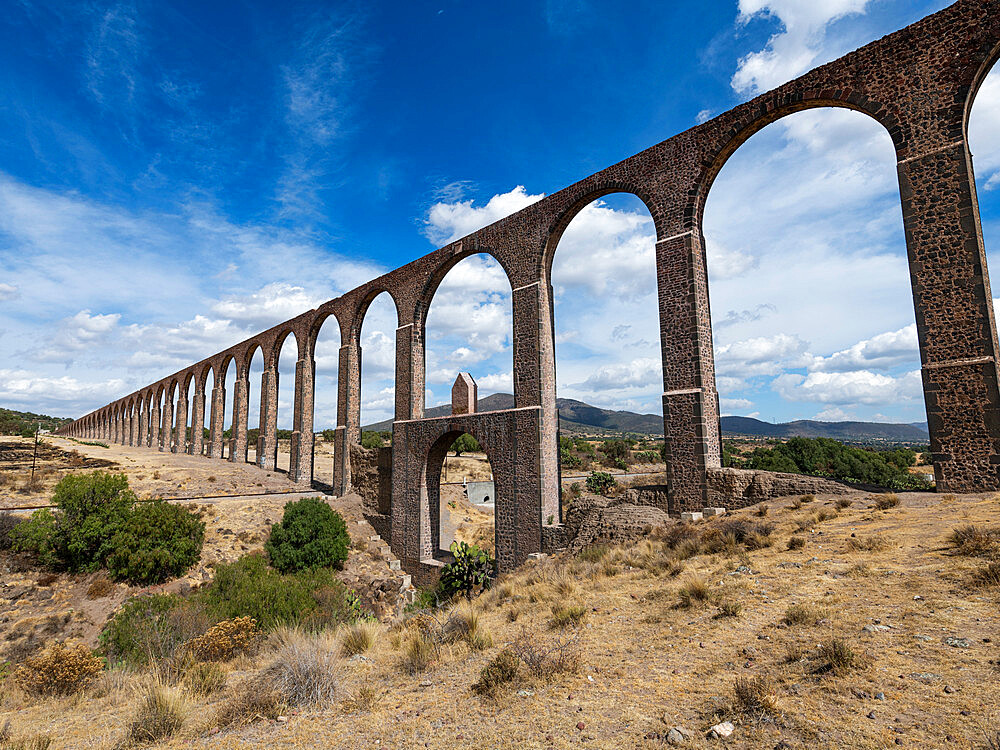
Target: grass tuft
x=359, y=637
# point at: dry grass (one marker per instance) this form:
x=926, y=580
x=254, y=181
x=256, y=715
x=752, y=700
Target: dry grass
x=802, y=614
x=755, y=697
x=886, y=500
x=367, y=698
x=358, y=637
x=838, y=656
x=842, y=502
x=421, y=652
x=975, y=541
x=498, y=675
x=305, y=670
x=204, y=678
x=796, y=542
x=694, y=591
x=988, y=575
x=730, y=608
x=565, y=615
x=35, y=742
x=247, y=702
x=160, y=714
x=871, y=543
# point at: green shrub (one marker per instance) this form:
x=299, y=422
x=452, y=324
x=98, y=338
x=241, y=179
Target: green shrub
x=471, y=571
x=37, y=536
x=600, y=482
x=8, y=522
x=249, y=588
x=371, y=440
x=465, y=444
x=156, y=541
x=98, y=523
x=150, y=628
x=647, y=457
x=329, y=435
x=310, y=535
x=569, y=460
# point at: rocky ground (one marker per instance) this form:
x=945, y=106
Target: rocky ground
x=657, y=664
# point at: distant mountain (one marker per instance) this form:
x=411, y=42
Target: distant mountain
x=836, y=430
x=576, y=418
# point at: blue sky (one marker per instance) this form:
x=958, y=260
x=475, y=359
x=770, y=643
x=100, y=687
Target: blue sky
x=176, y=176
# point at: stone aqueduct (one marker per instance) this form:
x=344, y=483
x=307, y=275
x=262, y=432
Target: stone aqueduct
x=919, y=83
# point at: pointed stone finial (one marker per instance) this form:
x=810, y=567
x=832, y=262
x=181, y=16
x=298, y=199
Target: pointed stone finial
x=464, y=394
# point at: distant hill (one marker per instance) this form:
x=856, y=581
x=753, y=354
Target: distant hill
x=15, y=422
x=576, y=417
x=836, y=430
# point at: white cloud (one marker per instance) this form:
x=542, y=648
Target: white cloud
x=639, y=373
x=881, y=352
x=849, y=388
x=267, y=306
x=8, y=291
x=33, y=391
x=727, y=264
x=762, y=355
x=730, y=405
x=449, y=221
x=797, y=47
x=497, y=382
x=76, y=334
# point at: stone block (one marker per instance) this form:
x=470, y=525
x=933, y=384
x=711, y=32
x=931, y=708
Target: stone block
x=692, y=515
x=709, y=512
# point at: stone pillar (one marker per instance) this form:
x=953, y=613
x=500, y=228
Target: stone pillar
x=300, y=463
x=218, y=420
x=348, y=430
x=167, y=425
x=241, y=415
x=535, y=383
x=464, y=395
x=690, y=399
x=181, y=439
x=115, y=425
x=144, y=422
x=154, y=425
x=267, y=444
x=197, y=420
x=954, y=314
x=409, y=373
x=134, y=427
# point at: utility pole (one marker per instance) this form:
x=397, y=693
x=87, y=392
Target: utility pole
x=34, y=457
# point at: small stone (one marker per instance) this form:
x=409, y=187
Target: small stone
x=722, y=729
x=783, y=745
x=871, y=715
x=949, y=689
x=957, y=642
x=674, y=737
x=281, y=719
x=581, y=726
x=875, y=628
x=880, y=696
x=525, y=693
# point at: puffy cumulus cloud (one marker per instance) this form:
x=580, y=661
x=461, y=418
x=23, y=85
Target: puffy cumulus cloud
x=469, y=323
x=881, y=352
x=179, y=344
x=449, y=221
x=496, y=382
x=59, y=396
x=268, y=306
x=8, y=291
x=74, y=335
x=639, y=373
x=606, y=252
x=797, y=47
x=735, y=405
x=849, y=388
x=761, y=355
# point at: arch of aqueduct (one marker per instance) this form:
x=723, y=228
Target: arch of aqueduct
x=919, y=83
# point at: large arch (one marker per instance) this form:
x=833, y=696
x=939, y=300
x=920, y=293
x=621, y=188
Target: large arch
x=821, y=240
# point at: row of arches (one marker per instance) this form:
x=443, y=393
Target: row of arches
x=954, y=318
